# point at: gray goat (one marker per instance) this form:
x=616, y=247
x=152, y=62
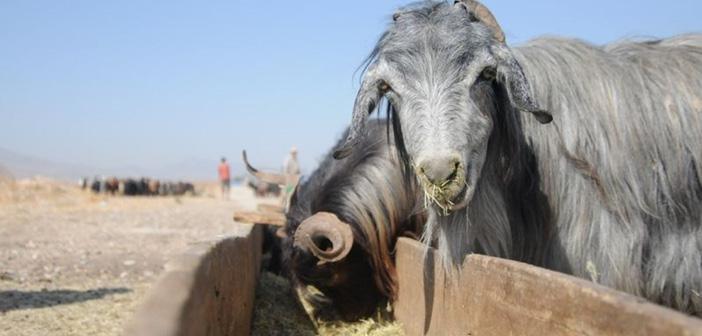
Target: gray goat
x=610, y=190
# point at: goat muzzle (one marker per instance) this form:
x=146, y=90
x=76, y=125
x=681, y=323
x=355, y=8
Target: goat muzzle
x=325, y=236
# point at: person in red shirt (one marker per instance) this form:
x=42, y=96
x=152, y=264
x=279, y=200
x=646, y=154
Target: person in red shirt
x=224, y=177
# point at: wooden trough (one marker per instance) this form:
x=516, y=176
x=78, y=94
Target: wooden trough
x=207, y=291
x=210, y=291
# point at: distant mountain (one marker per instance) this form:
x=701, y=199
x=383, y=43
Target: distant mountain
x=198, y=169
x=23, y=166
x=190, y=169
x=5, y=173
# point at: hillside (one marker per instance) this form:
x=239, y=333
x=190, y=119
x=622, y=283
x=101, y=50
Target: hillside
x=24, y=166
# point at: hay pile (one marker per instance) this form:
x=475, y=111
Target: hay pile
x=364, y=327
x=277, y=311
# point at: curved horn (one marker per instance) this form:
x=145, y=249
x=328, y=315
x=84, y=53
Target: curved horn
x=323, y=228
x=367, y=98
x=271, y=178
x=483, y=14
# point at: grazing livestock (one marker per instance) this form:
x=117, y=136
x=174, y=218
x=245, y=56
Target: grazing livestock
x=83, y=182
x=175, y=188
x=143, y=186
x=96, y=186
x=112, y=185
x=181, y=188
x=263, y=189
x=342, y=224
x=133, y=187
x=609, y=190
x=164, y=188
x=152, y=187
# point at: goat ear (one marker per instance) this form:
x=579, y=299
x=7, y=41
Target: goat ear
x=366, y=100
x=292, y=199
x=511, y=75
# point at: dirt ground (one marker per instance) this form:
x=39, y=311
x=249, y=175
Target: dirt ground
x=73, y=263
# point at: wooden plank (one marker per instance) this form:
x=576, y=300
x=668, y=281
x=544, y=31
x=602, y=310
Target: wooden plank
x=267, y=207
x=209, y=290
x=501, y=297
x=258, y=217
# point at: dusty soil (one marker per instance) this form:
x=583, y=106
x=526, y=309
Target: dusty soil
x=73, y=263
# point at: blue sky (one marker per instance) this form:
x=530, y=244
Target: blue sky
x=149, y=83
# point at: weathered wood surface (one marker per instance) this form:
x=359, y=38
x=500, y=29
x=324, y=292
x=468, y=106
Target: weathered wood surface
x=501, y=297
x=267, y=207
x=208, y=291
x=259, y=217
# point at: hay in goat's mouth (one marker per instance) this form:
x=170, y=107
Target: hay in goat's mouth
x=436, y=195
x=442, y=195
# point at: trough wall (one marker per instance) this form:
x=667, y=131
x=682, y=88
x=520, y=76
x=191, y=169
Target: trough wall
x=494, y=296
x=208, y=291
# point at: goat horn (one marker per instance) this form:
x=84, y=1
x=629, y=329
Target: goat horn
x=366, y=100
x=280, y=233
x=271, y=178
x=321, y=226
x=484, y=15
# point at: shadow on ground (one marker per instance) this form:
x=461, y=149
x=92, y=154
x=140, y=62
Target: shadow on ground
x=15, y=299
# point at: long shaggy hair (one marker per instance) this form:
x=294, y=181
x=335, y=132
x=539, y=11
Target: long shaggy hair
x=368, y=192
x=621, y=167
x=610, y=191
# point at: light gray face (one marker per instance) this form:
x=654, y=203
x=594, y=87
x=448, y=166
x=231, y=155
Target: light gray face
x=445, y=130
x=436, y=65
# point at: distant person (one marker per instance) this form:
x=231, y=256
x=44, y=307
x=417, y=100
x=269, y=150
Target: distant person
x=291, y=169
x=224, y=177
x=291, y=166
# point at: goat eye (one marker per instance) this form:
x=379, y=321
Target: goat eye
x=383, y=87
x=488, y=74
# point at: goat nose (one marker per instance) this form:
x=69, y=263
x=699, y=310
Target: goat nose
x=439, y=170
